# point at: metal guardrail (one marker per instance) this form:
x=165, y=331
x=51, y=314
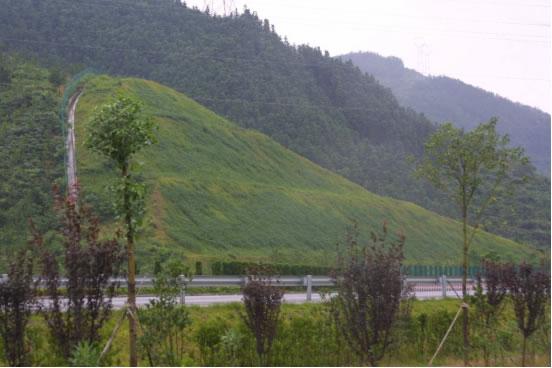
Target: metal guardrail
x=440, y=285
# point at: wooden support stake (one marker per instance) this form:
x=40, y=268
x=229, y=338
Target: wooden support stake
x=113, y=334
x=137, y=320
x=464, y=305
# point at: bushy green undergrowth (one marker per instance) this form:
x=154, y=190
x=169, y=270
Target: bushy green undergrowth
x=31, y=148
x=217, y=336
x=218, y=191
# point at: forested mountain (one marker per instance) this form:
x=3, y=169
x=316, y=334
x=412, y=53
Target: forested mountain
x=446, y=99
x=320, y=107
x=31, y=147
x=218, y=191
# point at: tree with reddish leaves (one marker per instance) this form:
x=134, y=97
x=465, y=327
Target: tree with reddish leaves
x=370, y=288
x=490, y=293
x=88, y=264
x=530, y=291
x=17, y=300
x=262, y=301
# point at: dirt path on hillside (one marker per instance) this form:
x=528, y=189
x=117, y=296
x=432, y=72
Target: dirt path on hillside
x=71, y=147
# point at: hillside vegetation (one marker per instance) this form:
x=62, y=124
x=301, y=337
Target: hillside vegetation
x=31, y=148
x=220, y=191
x=443, y=99
x=526, y=216
x=324, y=109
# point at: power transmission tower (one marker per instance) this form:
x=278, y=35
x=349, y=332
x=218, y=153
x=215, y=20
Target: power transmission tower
x=423, y=57
x=221, y=7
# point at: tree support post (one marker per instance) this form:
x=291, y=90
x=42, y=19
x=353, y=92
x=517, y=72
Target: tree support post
x=444, y=286
x=182, y=290
x=308, y=282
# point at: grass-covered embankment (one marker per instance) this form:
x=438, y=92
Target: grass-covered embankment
x=218, y=191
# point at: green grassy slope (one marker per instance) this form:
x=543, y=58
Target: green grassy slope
x=220, y=191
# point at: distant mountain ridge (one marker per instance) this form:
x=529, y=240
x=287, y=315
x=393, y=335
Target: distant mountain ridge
x=442, y=99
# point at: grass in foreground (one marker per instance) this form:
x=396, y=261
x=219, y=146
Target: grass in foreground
x=306, y=337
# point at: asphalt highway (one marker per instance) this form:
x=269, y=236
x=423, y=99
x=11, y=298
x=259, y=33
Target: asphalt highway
x=206, y=300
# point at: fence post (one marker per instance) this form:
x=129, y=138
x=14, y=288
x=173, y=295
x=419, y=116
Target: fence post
x=444, y=285
x=308, y=281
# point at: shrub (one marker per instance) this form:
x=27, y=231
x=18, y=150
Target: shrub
x=370, y=287
x=208, y=337
x=88, y=265
x=17, y=299
x=240, y=268
x=310, y=339
x=530, y=291
x=489, y=300
x=262, y=301
x=85, y=355
x=164, y=322
x=199, y=268
x=231, y=344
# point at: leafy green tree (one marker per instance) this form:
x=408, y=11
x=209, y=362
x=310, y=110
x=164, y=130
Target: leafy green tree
x=164, y=322
x=473, y=168
x=118, y=130
x=56, y=77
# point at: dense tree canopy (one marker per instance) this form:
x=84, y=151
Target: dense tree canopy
x=446, y=99
x=322, y=108
x=31, y=147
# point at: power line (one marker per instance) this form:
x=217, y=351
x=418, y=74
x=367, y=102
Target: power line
x=474, y=2
x=356, y=12
x=384, y=28
x=187, y=56
x=393, y=28
x=521, y=4
x=336, y=61
x=240, y=101
x=507, y=77
x=234, y=100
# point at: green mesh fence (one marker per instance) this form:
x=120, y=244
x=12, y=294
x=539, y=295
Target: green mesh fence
x=70, y=89
x=436, y=271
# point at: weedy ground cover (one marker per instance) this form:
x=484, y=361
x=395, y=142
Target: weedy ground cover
x=306, y=336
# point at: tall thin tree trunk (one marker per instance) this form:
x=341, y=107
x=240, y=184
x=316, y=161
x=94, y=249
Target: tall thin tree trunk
x=464, y=286
x=524, y=351
x=132, y=323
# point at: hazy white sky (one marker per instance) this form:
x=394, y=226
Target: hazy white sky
x=503, y=46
